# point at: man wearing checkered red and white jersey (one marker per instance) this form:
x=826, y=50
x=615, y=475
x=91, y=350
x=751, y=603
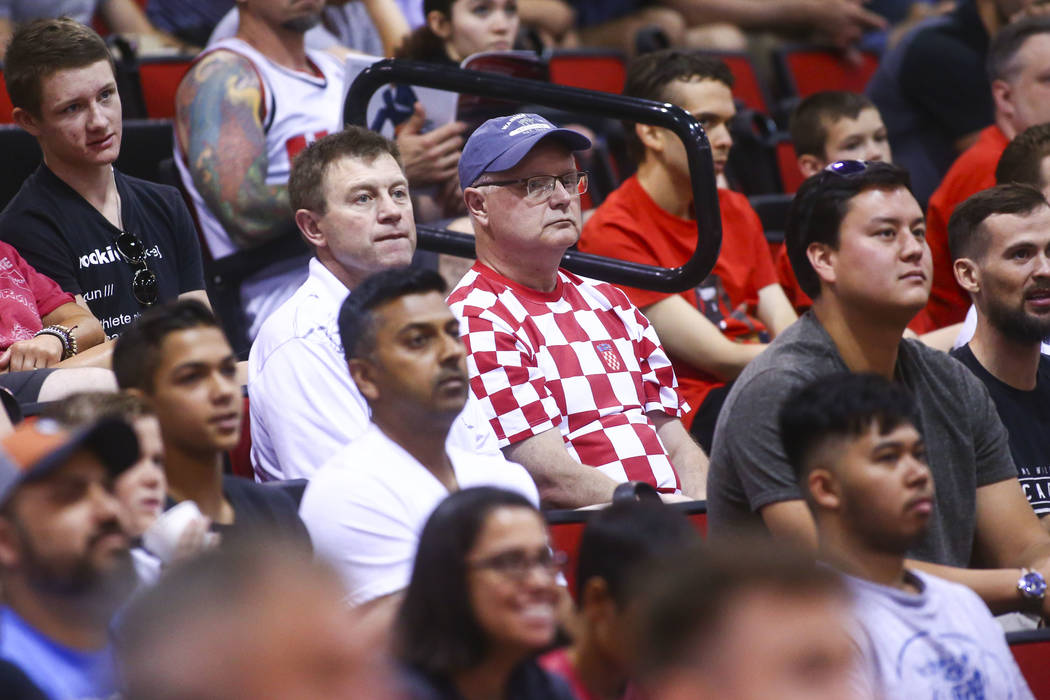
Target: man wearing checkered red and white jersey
x=571, y=374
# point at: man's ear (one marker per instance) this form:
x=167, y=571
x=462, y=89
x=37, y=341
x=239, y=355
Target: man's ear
x=1002, y=95
x=440, y=24
x=307, y=220
x=25, y=120
x=477, y=205
x=363, y=372
x=810, y=165
x=650, y=136
x=10, y=544
x=821, y=257
x=967, y=274
x=823, y=489
x=595, y=594
x=138, y=393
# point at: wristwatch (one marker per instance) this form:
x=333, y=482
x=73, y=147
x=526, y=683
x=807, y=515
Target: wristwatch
x=1032, y=586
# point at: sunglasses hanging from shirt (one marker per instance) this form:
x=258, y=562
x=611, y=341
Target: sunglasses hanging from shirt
x=144, y=282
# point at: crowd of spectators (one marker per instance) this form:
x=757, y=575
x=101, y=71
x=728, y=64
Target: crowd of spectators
x=346, y=479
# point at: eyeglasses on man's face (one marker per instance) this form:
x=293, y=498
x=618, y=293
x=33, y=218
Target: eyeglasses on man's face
x=540, y=188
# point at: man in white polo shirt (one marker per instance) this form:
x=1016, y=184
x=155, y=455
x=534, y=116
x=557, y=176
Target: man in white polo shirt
x=367, y=505
x=351, y=200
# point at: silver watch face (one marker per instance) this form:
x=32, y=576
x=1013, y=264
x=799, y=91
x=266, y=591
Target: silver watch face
x=1032, y=585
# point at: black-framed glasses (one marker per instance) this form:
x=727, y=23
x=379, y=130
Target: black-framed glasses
x=517, y=564
x=144, y=281
x=540, y=188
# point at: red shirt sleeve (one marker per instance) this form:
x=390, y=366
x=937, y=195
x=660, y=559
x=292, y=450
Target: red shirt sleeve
x=49, y=296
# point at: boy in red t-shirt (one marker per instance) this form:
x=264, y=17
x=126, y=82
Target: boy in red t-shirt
x=712, y=331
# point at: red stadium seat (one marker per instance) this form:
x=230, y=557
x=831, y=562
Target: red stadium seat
x=805, y=70
x=1031, y=649
x=240, y=456
x=6, y=108
x=589, y=69
x=160, y=78
x=747, y=87
x=787, y=164
x=566, y=529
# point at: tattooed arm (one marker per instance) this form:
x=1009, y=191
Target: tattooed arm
x=219, y=125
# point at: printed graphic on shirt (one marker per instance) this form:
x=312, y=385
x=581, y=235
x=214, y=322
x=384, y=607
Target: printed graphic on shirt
x=713, y=301
x=952, y=665
x=1035, y=480
x=98, y=298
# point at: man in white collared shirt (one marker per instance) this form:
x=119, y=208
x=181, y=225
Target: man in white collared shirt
x=352, y=205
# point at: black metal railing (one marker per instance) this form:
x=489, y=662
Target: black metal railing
x=588, y=102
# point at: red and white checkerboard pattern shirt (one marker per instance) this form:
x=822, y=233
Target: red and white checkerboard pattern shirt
x=582, y=359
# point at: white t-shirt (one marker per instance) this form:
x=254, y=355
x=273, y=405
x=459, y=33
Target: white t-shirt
x=304, y=404
x=366, y=507
x=940, y=643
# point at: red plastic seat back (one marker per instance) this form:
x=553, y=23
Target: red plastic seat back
x=746, y=84
x=809, y=70
x=160, y=78
x=591, y=70
x=6, y=108
x=241, y=455
x=787, y=163
x=1031, y=649
x=565, y=537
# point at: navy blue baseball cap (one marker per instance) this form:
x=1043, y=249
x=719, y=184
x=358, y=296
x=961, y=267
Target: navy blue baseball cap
x=500, y=144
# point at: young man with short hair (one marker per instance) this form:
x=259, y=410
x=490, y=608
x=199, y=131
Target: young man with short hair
x=861, y=462
x=366, y=506
x=119, y=244
x=712, y=331
x=177, y=358
x=351, y=200
x=855, y=235
x=569, y=372
x=64, y=562
x=1000, y=241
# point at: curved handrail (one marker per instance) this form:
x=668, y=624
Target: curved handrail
x=668, y=116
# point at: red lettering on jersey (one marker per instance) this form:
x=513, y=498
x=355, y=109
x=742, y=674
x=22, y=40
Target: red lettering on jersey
x=296, y=144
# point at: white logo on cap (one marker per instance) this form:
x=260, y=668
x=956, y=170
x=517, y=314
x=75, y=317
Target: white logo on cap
x=529, y=127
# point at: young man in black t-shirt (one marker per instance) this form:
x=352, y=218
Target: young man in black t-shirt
x=117, y=243
x=1000, y=242
x=177, y=358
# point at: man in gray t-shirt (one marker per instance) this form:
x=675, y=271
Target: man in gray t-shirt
x=855, y=236
x=857, y=452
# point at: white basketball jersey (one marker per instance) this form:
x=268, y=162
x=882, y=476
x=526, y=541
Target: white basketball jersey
x=299, y=109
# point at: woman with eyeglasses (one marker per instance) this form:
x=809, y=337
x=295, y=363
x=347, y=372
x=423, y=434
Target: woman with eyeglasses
x=481, y=602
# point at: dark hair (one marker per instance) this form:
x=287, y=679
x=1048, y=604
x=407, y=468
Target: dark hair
x=649, y=75
x=90, y=406
x=811, y=118
x=306, y=181
x=840, y=405
x=136, y=354
x=1023, y=158
x=1005, y=45
x=356, y=317
x=621, y=540
x=203, y=595
x=686, y=603
x=436, y=629
x=423, y=44
x=40, y=48
x=820, y=205
x=966, y=231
